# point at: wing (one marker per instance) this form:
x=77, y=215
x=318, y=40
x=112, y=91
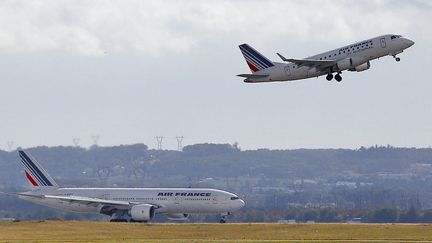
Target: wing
x=122, y=205
x=93, y=201
x=311, y=63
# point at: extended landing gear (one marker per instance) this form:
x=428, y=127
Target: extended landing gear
x=223, y=218
x=119, y=216
x=119, y=220
x=338, y=77
x=124, y=220
x=137, y=221
x=396, y=58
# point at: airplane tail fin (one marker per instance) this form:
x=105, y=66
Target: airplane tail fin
x=35, y=173
x=255, y=60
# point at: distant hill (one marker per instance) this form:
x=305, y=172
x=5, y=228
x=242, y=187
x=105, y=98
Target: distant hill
x=212, y=160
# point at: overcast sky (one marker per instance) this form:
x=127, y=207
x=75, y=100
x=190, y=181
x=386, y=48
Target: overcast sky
x=132, y=70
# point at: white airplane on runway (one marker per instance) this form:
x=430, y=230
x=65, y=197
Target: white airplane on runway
x=123, y=204
x=354, y=57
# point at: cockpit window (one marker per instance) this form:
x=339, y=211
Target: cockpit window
x=395, y=36
x=235, y=198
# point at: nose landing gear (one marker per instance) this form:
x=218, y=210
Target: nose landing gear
x=396, y=58
x=223, y=218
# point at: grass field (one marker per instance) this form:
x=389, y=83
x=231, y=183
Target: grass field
x=74, y=231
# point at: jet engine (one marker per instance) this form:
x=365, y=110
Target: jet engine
x=361, y=67
x=177, y=216
x=345, y=64
x=142, y=212
x=351, y=64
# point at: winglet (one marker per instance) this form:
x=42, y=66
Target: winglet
x=282, y=57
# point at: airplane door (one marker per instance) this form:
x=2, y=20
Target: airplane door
x=177, y=200
x=178, y=203
x=383, y=42
x=214, y=200
x=287, y=70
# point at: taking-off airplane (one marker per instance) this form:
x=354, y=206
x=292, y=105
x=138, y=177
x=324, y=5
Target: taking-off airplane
x=355, y=57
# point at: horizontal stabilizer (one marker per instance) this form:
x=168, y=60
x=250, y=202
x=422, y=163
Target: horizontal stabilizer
x=22, y=194
x=246, y=75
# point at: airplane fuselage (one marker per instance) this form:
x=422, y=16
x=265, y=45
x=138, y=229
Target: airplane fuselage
x=170, y=200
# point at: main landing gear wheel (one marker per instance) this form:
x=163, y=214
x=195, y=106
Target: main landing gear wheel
x=329, y=77
x=119, y=220
x=137, y=221
x=338, y=77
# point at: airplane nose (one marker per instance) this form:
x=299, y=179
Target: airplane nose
x=242, y=203
x=410, y=42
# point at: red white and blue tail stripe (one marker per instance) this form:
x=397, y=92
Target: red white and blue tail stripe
x=255, y=60
x=34, y=172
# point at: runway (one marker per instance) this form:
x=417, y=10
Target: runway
x=76, y=231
